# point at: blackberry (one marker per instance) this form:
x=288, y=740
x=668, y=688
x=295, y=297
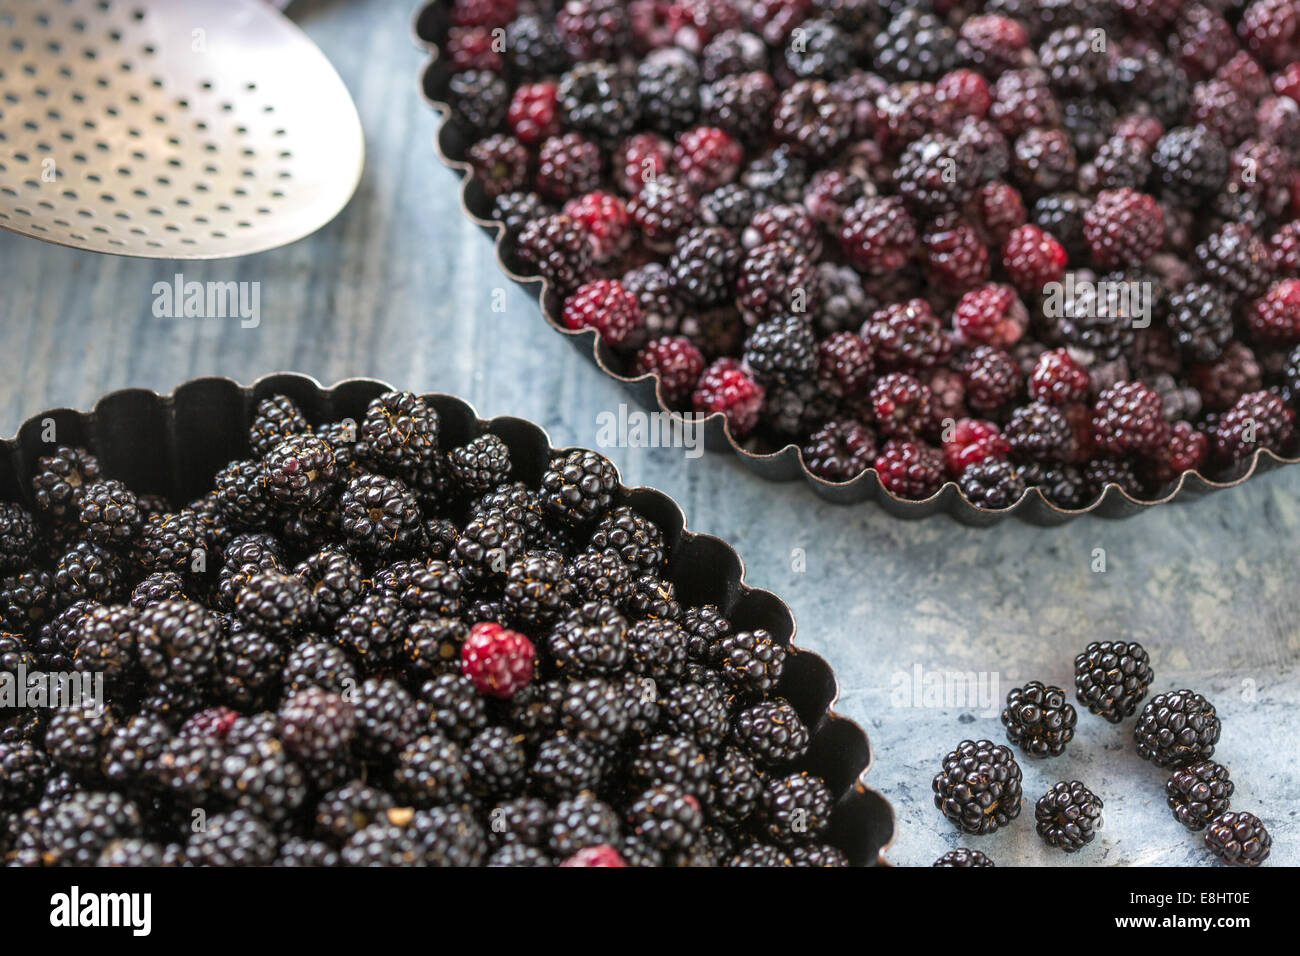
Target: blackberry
x=296, y=851
x=501, y=164
x=171, y=543
x=400, y=431
x=579, y=487
x=77, y=829
x=1235, y=260
x=1039, y=720
x=568, y=166
x=743, y=104
x=1061, y=484
x=877, y=234
x=978, y=788
x=259, y=776
x=536, y=590
x=317, y=726
x=591, y=639
x=535, y=709
x=106, y=644
x=593, y=29
x=735, y=788
x=779, y=175
x=387, y=719
x=87, y=572
x=517, y=854
x=518, y=503
x=1177, y=729
x=481, y=465
x=137, y=852
x=1258, y=420
x=1128, y=417
x=761, y=854
x=427, y=587
x=334, y=580
x=249, y=665
x=177, y=642
x=991, y=484
x=1068, y=816
x=594, y=711
x=431, y=771
x=26, y=599
x=109, y=512
x=704, y=265
x=275, y=419
x=1198, y=793
x=17, y=536
x=963, y=857
x=1238, y=839
x=1190, y=164
x=487, y=546
x=795, y=809
x=375, y=628
x=433, y=644
x=600, y=576
x=599, y=100
x=1147, y=81
x=668, y=84
x=691, y=710
x=533, y=47
x=383, y=844
x=455, y=707
x=582, y=821
x=1039, y=431
x=241, y=495
x=666, y=817
x=497, y=763
x=1121, y=161
x=658, y=301
x=23, y=771
x=656, y=649
x=1071, y=62
x=653, y=598
x=777, y=281
x=237, y=838
x=342, y=812
x=479, y=100
x=781, y=350
x=380, y=516
x=564, y=767
x=663, y=209
x=771, y=733
x=840, y=450
x=514, y=211
x=909, y=469
x=276, y=603
x=132, y=749
x=1200, y=318
x=1100, y=473
x=300, y=471
x=315, y=663
x=668, y=759
x=915, y=45
x=751, y=661
x=60, y=480
x=936, y=174
x=813, y=118
x=731, y=52
x=521, y=821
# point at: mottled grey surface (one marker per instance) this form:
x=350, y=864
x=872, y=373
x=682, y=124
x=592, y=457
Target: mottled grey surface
x=400, y=287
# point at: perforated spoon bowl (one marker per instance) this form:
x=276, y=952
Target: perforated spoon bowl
x=190, y=129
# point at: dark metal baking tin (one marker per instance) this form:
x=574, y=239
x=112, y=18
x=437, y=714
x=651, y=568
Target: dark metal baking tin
x=430, y=27
x=174, y=445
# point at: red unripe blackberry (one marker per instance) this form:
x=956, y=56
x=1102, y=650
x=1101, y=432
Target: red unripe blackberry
x=1270, y=29
x=844, y=364
x=605, y=218
x=471, y=48
x=707, y=157
x=1274, y=318
x=901, y=405
x=1222, y=382
x=911, y=470
x=999, y=209
x=499, y=661
x=600, y=855
x=663, y=209
x=907, y=336
x=1129, y=417
x=1032, y=258
x=1186, y=450
x=1258, y=420
x=972, y=440
x=994, y=44
x=568, y=166
x=955, y=257
x=840, y=450
x=603, y=305
x=726, y=387
x=990, y=315
x=533, y=113
x=1022, y=99
x=640, y=159
x=966, y=91
x=1123, y=227
x=1058, y=379
x=677, y=362
x=878, y=235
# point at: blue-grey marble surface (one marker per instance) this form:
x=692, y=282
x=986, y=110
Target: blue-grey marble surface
x=400, y=287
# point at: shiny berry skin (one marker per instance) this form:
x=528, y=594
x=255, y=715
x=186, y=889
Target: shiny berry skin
x=901, y=405
x=726, y=387
x=878, y=234
x=1274, y=318
x=499, y=661
x=677, y=362
x=910, y=469
x=1057, y=379
x=707, y=157
x=606, y=221
x=1032, y=258
x=990, y=315
x=532, y=114
x=972, y=440
x=607, y=307
x=1128, y=417
x=1123, y=227
x=966, y=91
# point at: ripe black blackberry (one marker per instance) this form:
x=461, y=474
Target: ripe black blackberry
x=742, y=104
x=1100, y=473
x=450, y=836
x=594, y=710
x=375, y=628
x=695, y=711
x=565, y=766
x=781, y=350
x=594, y=29
x=275, y=419
x=26, y=599
x=105, y=644
x=652, y=597
x=1198, y=793
x=1068, y=816
x=1200, y=318
x=591, y=639
x=1238, y=839
x=521, y=821
x=296, y=851
x=992, y=484
x=517, y=502
x=77, y=829
x=636, y=539
x=1190, y=164
x=750, y=661
x=87, y=572
x=431, y=771
x=276, y=603
x=579, y=487
x=599, y=100
x=432, y=644
x=300, y=471
x=535, y=709
x=795, y=809
x=343, y=811
x=1043, y=161
x=1235, y=260
x=840, y=450
x=582, y=821
x=704, y=625
x=771, y=733
x=978, y=788
x=663, y=209
x=108, y=512
x=819, y=49
x=1112, y=677
x=17, y=536
x=479, y=100
x=383, y=844
x=533, y=48
x=1039, y=720
x=666, y=817
x=536, y=590
x=936, y=174
x=813, y=118
x=915, y=45
x=177, y=642
x=400, y=431
x=137, y=852
x=1148, y=81
x=259, y=776
x=488, y=545
x=656, y=649
x=60, y=479
x=23, y=772
x=514, y=211
x=481, y=465
x=1121, y=161
x=237, y=838
x=1177, y=729
x=334, y=580
x=1071, y=62
x=248, y=668
x=75, y=740
x=517, y=854
x=704, y=263
x=777, y=281
x=668, y=88
x=497, y=762
x=387, y=718
x=315, y=663
x=600, y=576
x=425, y=587
x=131, y=751
x=735, y=788
x=380, y=516
x=171, y=543
x=241, y=496
x=666, y=758
x=761, y=854
x=455, y=706
x=963, y=857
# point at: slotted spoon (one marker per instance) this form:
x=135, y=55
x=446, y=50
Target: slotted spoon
x=189, y=129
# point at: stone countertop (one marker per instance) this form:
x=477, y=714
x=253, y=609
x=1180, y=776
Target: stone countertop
x=401, y=287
